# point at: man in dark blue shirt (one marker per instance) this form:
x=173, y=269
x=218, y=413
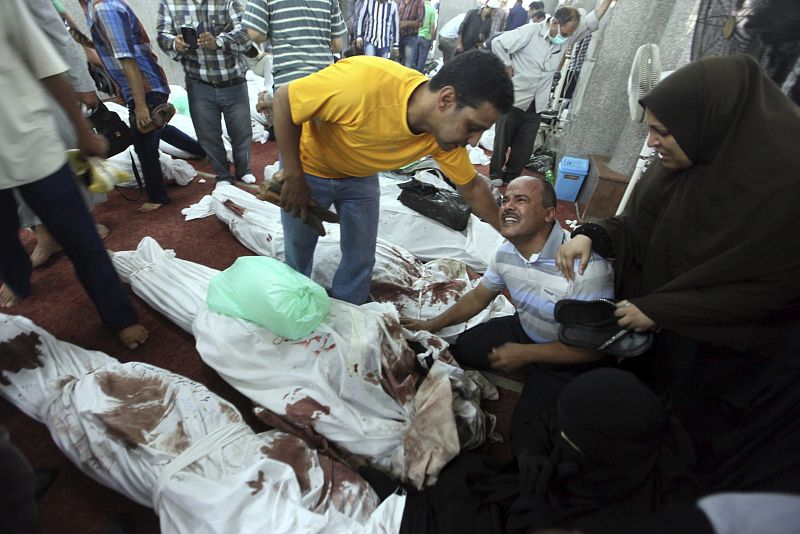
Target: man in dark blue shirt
x=517, y=16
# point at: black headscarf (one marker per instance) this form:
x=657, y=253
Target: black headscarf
x=710, y=252
x=613, y=448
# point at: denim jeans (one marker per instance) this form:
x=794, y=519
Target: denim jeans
x=408, y=51
x=423, y=46
x=146, y=146
x=175, y=137
x=370, y=50
x=206, y=105
x=357, y=202
x=57, y=202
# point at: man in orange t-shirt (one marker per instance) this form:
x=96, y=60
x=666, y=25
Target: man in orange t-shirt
x=339, y=127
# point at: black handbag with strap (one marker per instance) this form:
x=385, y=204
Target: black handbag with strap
x=109, y=125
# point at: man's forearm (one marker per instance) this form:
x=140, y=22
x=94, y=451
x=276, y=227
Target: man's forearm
x=557, y=353
x=465, y=309
x=601, y=8
x=256, y=36
x=480, y=199
x=60, y=89
x=135, y=81
x=287, y=132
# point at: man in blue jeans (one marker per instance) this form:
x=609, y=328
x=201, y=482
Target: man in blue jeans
x=124, y=48
x=412, y=13
x=215, y=81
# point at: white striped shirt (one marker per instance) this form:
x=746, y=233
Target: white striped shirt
x=301, y=32
x=535, y=284
x=379, y=24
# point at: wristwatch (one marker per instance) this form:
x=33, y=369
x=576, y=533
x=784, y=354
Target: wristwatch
x=219, y=41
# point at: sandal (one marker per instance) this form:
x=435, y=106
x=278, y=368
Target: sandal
x=592, y=324
x=159, y=117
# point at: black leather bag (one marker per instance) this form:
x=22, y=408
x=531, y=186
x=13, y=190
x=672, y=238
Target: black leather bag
x=109, y=125
x=446, y=207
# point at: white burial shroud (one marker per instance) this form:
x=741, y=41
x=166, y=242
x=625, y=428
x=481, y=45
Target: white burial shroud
x=418, y=290
x=352, y=380
x=168, y=442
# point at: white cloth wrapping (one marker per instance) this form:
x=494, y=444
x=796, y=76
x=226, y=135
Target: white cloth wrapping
x=173, y=169
x=427, y=239
x=421, y=236
x=168, y=442
x=258, y=121
x=352, y=380
x=418, y=290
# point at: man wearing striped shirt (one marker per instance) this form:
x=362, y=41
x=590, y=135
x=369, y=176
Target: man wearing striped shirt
x=411, y=15
x=304, y=34
x=378, y=28
x=215, y=82
x=525, y=266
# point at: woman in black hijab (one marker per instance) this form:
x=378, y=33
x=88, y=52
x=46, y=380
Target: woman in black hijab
x=707, y=252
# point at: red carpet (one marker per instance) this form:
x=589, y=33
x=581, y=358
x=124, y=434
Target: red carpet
x=76, y=503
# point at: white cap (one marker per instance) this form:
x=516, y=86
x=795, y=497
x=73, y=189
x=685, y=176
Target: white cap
x=494, y=4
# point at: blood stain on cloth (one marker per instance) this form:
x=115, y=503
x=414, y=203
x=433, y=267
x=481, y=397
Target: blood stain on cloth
x=142, y=406
x=385, y=292
x=19, y=353
x=257, y=484
x=306, y=411
x=444, y=292
x=292, y=451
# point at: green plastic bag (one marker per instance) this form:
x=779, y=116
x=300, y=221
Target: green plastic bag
x=270, y=293
x=181, y=103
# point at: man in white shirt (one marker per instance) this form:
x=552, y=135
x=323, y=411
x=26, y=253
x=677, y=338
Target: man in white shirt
x=33, y=161
x=533, y=53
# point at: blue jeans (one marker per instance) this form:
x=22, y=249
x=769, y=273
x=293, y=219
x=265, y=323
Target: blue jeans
x=423, y=46
x=175, y=137
x=357, y=202
x=206, y=105
x=408, y=51
x=370, y=50
x=146, y=146
x=57, y=202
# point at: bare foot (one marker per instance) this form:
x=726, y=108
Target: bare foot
x=46, y=246
x=102, y=230
x=133, y=336
x=148, y=207
x=7, y=297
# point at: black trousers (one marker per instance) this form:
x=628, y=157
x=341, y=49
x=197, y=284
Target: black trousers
x=58, y=203
x=543, y=382
x=515, y=130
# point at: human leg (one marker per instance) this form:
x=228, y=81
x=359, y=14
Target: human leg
x=369, y=49
x=15, y=266
x=357, y=202
x=206, y=113
x=180, y=140
x=504, y=130
x=448, y=47
x=408, y=49
x=56, y=200
x=472, y=348
x=146, y=146
x=299, y=239
x=236, y=109
x=522, y=142
x=423, y=45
